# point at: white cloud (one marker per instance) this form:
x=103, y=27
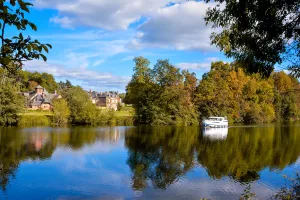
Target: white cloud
x=110, y=15
x=195, y=66
x=77, y=36
x=213, y=59
x=128, y=58
x=80, y=74
x=98, y=62
x=65, y=22
x=180, y=27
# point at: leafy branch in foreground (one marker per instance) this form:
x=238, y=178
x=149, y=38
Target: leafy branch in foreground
x=258, y=33
x=17, y=49
x=292, y=191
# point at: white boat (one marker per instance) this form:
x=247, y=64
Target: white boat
x=215, y=122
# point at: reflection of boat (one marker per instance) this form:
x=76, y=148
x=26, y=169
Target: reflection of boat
x=215, y=133
x=215, y=122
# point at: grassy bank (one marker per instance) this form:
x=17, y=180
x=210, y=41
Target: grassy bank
x=37, y=113
x=37, y=118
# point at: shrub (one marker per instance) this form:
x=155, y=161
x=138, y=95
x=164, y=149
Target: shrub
x=32, y=120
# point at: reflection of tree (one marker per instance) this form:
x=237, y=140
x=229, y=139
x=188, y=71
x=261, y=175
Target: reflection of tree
x=18, y=145
x=14, y=148
x=246, y=151
x=164, y=154
x=160, y=154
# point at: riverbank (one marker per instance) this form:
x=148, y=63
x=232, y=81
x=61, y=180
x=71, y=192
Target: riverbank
x=125, y=117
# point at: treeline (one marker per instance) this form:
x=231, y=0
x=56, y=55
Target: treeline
x=25, y=81
x=75, y=106
x=165, y=95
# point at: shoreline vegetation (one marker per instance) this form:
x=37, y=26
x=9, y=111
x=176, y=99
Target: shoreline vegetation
x=165, y=95
x=45, y=118
x=162, y=95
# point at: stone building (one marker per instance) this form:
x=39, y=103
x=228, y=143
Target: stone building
x=39, y=99
x=108, y=100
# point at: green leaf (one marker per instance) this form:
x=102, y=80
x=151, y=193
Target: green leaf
x=33, y=26
x=49, y=45
x=45, y=48
x=44, y=57
x=28, y=4
x=29, y=47
x=6, y=61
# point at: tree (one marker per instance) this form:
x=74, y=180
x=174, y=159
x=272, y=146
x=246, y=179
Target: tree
x=61, y=111
x=258, y=33
x=83, y=111
x=17, y=49
x=227, y=91
x=11, y=104
x=64, y=85
x=162, y=95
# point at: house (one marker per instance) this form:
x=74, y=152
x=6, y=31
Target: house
x=108, y=100
x=39, y=99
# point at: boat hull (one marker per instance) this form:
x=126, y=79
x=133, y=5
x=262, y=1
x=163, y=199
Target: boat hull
x=215, y=124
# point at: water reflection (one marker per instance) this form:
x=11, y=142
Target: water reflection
x=158, y=157
x=215, y=133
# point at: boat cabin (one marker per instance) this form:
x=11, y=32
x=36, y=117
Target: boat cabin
x=216, y=118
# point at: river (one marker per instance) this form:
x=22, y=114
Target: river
x=146, y=162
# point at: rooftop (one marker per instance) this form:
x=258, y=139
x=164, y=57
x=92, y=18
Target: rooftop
x=39, y=87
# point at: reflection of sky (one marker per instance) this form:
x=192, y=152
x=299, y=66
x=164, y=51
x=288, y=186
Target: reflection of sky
x=100, y=171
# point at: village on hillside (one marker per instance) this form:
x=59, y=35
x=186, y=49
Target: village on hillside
x=41, y=99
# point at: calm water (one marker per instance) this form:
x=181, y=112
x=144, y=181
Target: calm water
x=146, y=163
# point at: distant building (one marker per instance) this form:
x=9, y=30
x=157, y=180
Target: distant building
x=39, y=99
x=106, y=99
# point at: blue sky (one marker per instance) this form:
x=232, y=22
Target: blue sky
x=94, y=41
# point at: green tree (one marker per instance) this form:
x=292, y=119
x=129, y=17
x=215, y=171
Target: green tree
x=61, y=111
x=11, y=104
x=17, y=49
x=141, y=91
x=162, y=95
x=83, y=111
x=258, y=33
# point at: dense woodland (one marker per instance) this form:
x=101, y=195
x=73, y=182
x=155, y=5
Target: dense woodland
x=166, y=95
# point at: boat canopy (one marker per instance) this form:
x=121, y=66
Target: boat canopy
x=216, y=118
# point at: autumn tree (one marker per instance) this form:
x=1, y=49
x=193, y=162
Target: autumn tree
x=227, y=91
